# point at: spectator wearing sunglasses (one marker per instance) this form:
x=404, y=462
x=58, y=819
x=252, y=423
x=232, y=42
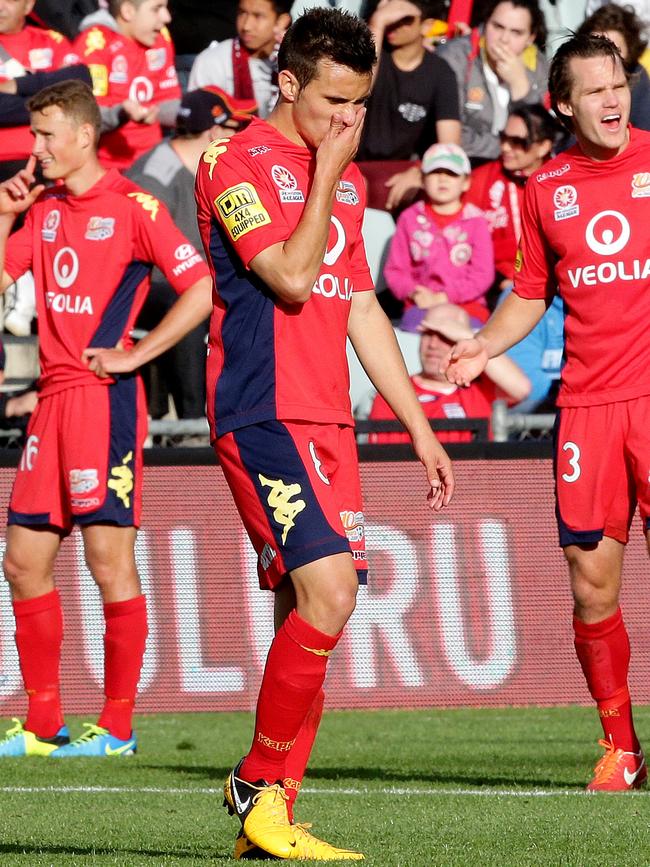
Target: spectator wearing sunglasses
x=498, y=186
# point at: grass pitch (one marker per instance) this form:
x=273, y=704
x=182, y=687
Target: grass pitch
x=409, y=788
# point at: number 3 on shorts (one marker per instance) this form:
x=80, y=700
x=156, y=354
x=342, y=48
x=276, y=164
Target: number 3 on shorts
x=574, y=462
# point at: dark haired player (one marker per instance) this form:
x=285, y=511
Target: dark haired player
x=584, y=227
x=91, y=242
x=280, y=210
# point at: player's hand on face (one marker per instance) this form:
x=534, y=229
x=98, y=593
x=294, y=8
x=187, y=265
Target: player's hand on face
x=106, y=362
x=439, y=471
x=465, y=361
x=19, y=192
x=341, y=142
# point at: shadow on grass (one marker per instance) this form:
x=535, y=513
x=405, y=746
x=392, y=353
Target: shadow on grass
x=215, y=776
x=88, y=851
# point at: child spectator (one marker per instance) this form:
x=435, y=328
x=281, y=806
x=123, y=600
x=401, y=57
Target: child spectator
x=441, y=327
x=131, y=59
x=442, y=250
x=246, y=67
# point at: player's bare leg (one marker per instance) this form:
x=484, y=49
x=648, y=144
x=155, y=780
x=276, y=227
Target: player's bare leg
x=29, y=567
x=110, y=556
x=325, y=593
x=603, y=648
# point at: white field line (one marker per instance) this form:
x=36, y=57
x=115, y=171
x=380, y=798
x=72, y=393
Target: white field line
x=362, y=792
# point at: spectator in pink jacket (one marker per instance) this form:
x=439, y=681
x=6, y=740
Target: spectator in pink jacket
x=442, y=250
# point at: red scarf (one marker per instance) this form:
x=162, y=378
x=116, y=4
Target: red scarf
x=242, y=81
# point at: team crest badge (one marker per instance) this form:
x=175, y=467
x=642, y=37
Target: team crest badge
x=51, y=225
x=641, y=185
x=564, y=199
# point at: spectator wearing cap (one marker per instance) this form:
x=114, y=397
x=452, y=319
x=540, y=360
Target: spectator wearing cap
x=167, y=171
x=441, y=250
x=246, y=66
x=441, y=327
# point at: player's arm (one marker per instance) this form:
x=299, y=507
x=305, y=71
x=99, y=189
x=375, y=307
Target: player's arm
x=191, y=308
x=374, y=342
x=509, y=324
x=16, y=195
x=290, y=268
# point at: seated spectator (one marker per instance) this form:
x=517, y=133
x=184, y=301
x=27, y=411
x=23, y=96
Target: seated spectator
x=441, y=328
x=246, y=67
x=497, y=70
x=621, y=25
x=498, y=186
x=413, y=103
x=441, y=250
x=25, y=49
x=167, y=171
x=131, y=59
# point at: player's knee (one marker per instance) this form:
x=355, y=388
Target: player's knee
x=594, y=600
x=335, y=606
x=20, y=569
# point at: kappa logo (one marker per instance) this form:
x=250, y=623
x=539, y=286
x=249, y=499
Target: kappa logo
x=213, y=152
x=285, y=509
x=51, y=225
x=95, y=41
x=149, y=203
x=258, y=150
x=121, y=481
x=555, y=173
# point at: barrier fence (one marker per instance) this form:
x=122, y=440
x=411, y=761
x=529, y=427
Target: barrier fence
x=469, y=607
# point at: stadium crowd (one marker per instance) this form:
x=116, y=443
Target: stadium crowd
x=171, y=76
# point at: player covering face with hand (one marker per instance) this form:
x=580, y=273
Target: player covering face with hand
x=280, y=207
x=597, y=251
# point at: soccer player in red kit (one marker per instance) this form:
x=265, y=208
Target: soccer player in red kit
x=584, y=229
x=134, y=78
x=91, y=241
x=280, y=208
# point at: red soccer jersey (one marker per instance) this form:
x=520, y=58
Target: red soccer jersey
x=584, y=229
x=121, y=69
x=473, y=402
x=35, y=50
x=92, y=256
x=267, y=359
x=500, y=198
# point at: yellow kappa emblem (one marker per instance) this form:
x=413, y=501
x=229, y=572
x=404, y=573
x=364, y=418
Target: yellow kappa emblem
x=149, y=203
x=279, y=499
x=95, y=41
x=122, y=480
x=213, y=152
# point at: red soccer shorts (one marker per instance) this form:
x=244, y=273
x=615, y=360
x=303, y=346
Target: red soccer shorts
x=82, y=462
x=602, y=470
x=296, y=486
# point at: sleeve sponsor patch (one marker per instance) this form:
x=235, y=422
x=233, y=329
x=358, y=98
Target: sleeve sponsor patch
x=99, y=75
x=241, y=210
x=519, y=260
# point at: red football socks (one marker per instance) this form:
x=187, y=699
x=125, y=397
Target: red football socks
x=39, y=633
x=124, y=644
x=298, y=755
x=293, y=676
x=604, y=652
